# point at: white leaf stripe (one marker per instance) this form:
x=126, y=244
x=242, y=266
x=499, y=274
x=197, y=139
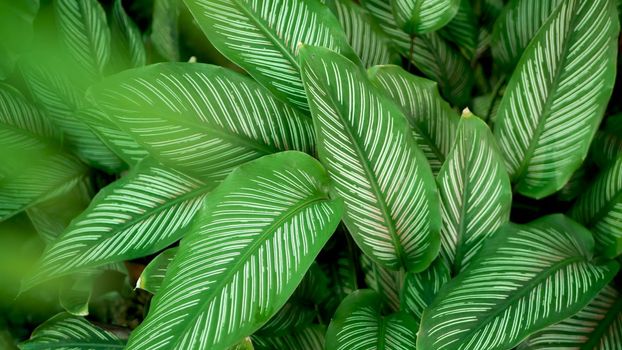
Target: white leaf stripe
x=366, y=38
x=432, y=120
x=599, y=208
x=364, y=141
x=66, y=332
x=424, y=16
x=251, y=246
x=516, y=26
x=475, y=193
x=201, y=118
x=16, y=111
x=358, y=324
x=265, y=37
x=136, y=216
x=527, y=277
x=597, y=327
x=557, y=95
x=85, y=33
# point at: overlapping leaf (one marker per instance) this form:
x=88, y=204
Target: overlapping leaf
x=527, y=277
x=607, y=144
x=598, y=326
x=599, y=208
x=420, y=289
x=262, y=38
x=138, y=215
x=423, y=16
x=250, y=248
x=463, y=29
x=475, y=192
x=153, y=275
x=431, y=119
x=127, y=48
x=388, y=283
x=309, y=338
x=164, y=28
x=392, y=208
x=201, y=118
x=359, y=324
x=67, y=332
x=557, y=96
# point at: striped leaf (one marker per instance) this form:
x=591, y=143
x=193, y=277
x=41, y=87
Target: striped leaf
x=153, y=275
x=432, y=120
x=423, y=16
x=249, y=249
x=388, y=283
x=596, y=327
x=607, y=144
x=359, y=324
x=67, y=332
x=33, y=165
x=367, y=39
x=557, y=96
x=84, y=33
x=527, y=277
x=463, y=30
x=309, y=338
x=475, y=193
x=392, y=208
x=164, y=29
x=430, y=53
x=138, y=215
x=599, y=208
x=516, y=26
x=420, y=289
x=127, y=48
x=266, y=35
x=200, y=118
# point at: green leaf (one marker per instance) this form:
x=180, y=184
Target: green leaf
x=527, y=277
x=463, y=30
x=516, y=26
x=359, y=324
x=475, y=192
x=84, y=33
x=388, y=283
x=138, y=215
x=423, y=16
x=75, y=294
x=245, y=344
x=265, y=40
x=420, y=288
x=153, y=275
x=367, y=39
x=250, y=247
x=432, y=120
x=164, y=29
x=557, y=96
x=200, y=118
x=607, y=144
x=309, y=338
x=430, y=53
x=127, y=48
x=33, y=165
x=597, y=326
x=599, y=208
x=67, y=332
x=16, y=30
x=392, y=209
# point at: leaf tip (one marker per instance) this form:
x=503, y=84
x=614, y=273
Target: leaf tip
x=466, y=113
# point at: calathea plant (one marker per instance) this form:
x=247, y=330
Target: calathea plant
x=310, y=174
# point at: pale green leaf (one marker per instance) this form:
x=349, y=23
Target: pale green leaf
x=359, y=324
x=264, y=40
x=16, y=30
x=200, y=118
x=557, y=96
x=392, y=208
x=432, y=120
x=164, y=28
x=475, y=193
x=598, y=326
x=75, y=294
x=127, y=48
x=527, y=277
x=250, y=247
x=153, y=275
x=423, y=16
x=599, y=208
x=67, y=332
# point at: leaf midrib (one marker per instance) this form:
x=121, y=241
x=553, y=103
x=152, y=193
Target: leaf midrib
x=603, y=325
x=463, y=210
x=251, y=249
x=518, y=294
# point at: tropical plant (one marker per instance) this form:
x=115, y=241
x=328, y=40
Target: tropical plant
x=310, y=174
